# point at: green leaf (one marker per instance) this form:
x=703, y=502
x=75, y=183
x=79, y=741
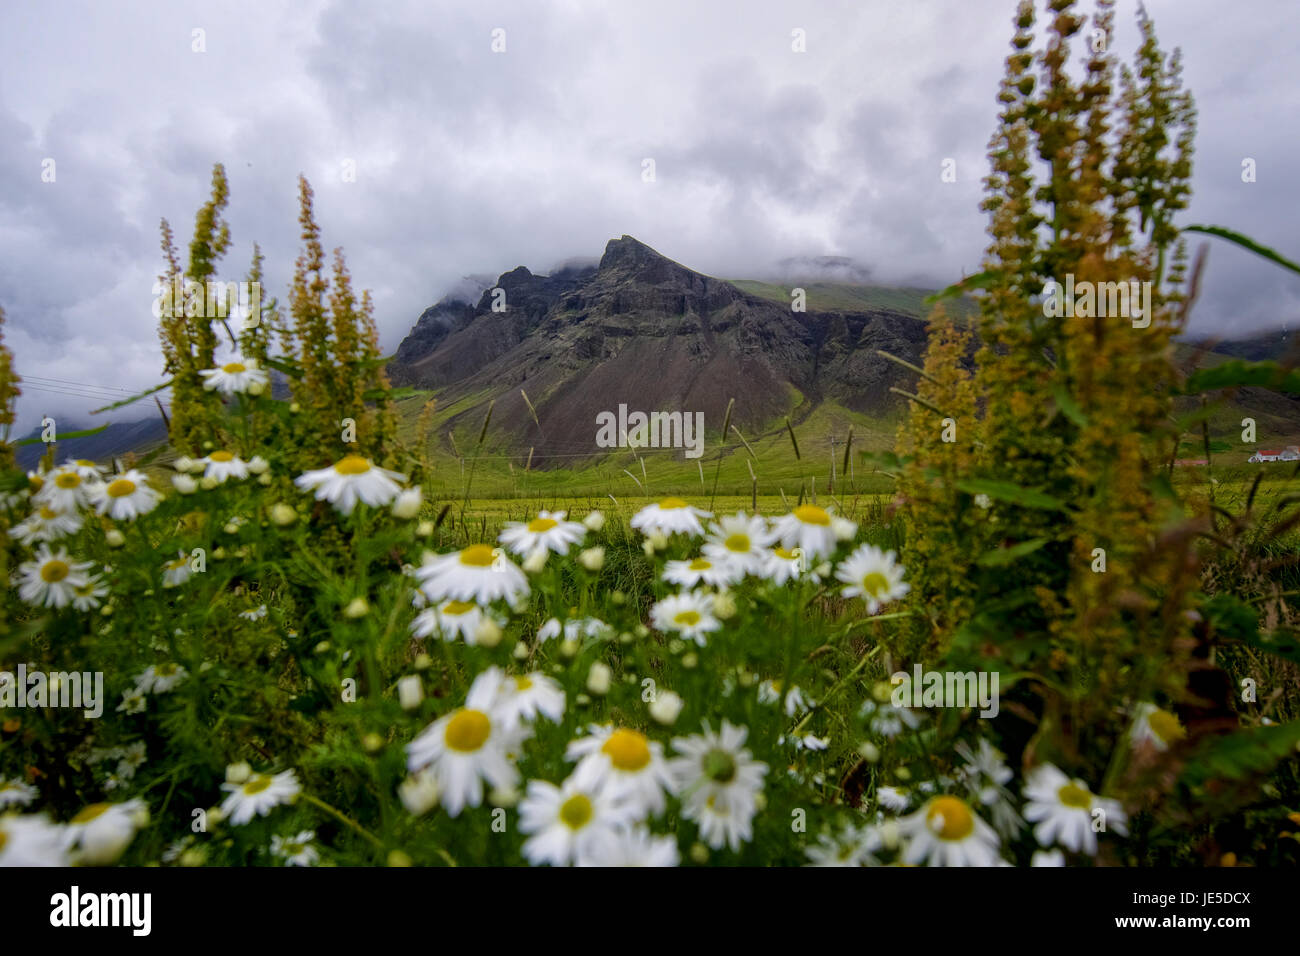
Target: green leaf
x=1255, y=750
x=980, y=280
x=1231, y=617
x=280, y=365
x=12, y=481
x=1068, y=406
x=1246, y=243
x=1236, y=373
x=133, y=398
x=1000, y=557
x=84, y=433
x=1010, y=492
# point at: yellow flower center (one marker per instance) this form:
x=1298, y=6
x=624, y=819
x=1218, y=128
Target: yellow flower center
x=4, y=838
x=221, y=456
x=233, y=368
x=90, y=813
x=478, y=556
x=701, y=564
x=35, y=482
x=458, y=607
x=523, y=683
x=875, y=584
x=48, y=513
x=68, y=479
x=165, y=670
x=783, y=554
x=687, y=618
x=257, y=784
x=1072, y=795
x=669, y=504
x=627, y=750
x=538, y=525
x=720, y=767
x=949, y=819
x=121, y=488
x=85, y=463
x=468, y=730
x=179, y=563
x=352, y=465
x=1166, y=726
x=811, y=514
x=54, y=570
x=737, y=542
x=576, y=812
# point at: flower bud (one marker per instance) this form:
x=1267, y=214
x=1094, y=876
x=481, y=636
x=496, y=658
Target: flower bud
x=407, y=504
x=282, y=514
x=594, y=521
x=593, y=559
x=410, y=692
x=598, y=678
x=666, y=707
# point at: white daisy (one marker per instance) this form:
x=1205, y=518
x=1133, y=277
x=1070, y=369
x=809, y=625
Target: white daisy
x=31, y=841
x=689, y=614
x=738, y=540
x=87, y=596
x=1066, y=811
x=886, y=720
x=872, y=575
x=574, y=629
x=668, y=517
x=177, y=572
x=350, y=480
x=769, y=692
x=450, y=620
x=15, y=793
x=478, y=573
x=895, y=799
x=296, y=850
x=51, y=579
x=255, y=614
x=47, y=524
x=1155, y=728
x=529, y=696
x=569, y=823
x=89, y=471
x=100, y=833
x=160, y=678
x=64, y=488
x=807, y=528
x=133, y=702
x=1047, y=858
x=718, y=782
x=624, y=764
x=221, y=465
x=126, y=497
x=467, y=746
x=258, y=795
x=635, y=846
x=235, y=376
x=693, y=571
x=782, y=565
x=852, y=846
x=946, y=832
x=547, y=532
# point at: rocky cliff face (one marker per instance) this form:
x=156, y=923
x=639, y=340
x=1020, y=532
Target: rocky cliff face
x=642, y=330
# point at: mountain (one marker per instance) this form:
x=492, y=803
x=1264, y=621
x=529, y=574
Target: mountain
x=643, y=331
x=118, y=439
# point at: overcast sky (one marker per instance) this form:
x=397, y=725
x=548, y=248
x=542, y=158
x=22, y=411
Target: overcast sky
x=473, y=161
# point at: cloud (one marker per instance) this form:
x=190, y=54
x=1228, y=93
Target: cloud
x=471, y=161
